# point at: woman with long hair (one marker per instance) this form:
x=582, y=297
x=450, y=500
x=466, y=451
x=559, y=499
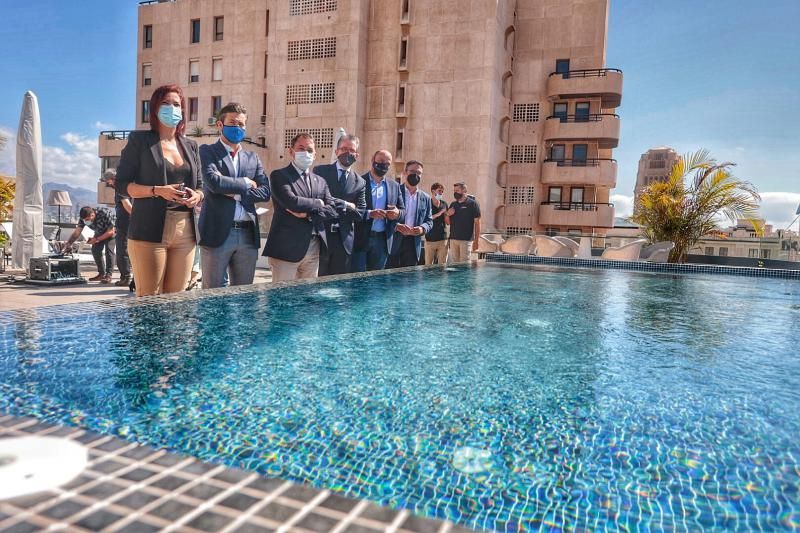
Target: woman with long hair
x=160, y=170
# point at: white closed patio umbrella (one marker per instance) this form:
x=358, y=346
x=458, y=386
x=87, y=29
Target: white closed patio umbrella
x=28, y=201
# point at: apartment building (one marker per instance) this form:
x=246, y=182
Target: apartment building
x=511, y=97
x=654, y=166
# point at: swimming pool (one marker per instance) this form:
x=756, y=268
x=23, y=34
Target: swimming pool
x=505, y=398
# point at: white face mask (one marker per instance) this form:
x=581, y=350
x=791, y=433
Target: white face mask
x=303, y=160
x=86, y=221
x=439, y=197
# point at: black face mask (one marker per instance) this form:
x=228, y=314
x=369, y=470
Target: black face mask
x=380, y=169
x=413, y=179
x=458, y=195
x=347, y=159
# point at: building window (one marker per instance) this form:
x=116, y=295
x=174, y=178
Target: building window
x=147, y=36
x=526, y=113
x=401, y=99
x=554, y=195
x=194, y=31
x=562, y=66
x=323, y=137
x=405, y=11
x=560, y=111
x=764, y=254
x=401, y=134
x=194, y=70
x=557, y=152
x=311, y=93
x=723, y=252
x=579, y=154
x=266, y=63
x=145, y=111
x=523, y=153
x=576, y=195
x=266, y=26
x=551, y=232
x=147, y=74
x=752, y=252
x=264, y=108
x=404, y=53
x=312, y=49
x=709, y=250
x=309, y=7
x=216, y=105
x=216, y=69
x=516, y=230
x=219, y=28
x=193, y=107
x=262, y=141
x=520, y=195
x=582, y=112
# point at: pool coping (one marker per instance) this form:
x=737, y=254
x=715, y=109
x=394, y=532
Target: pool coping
x=128, y=486
x=643, y=266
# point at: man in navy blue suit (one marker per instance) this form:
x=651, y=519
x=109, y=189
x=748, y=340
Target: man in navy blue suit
x=346, y=185
x=233, y=181
x=407, y=244
x=375, y=232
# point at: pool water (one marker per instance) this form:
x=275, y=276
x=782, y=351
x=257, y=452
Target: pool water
x=503, y=398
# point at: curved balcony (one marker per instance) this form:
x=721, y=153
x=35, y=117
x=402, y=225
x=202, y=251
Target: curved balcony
x=604, y=82
x=576, y=215
x=602, y=128
x=598, y=172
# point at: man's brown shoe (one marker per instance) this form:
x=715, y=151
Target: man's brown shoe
x=106, y=279
x=123, y=282
x=98, y=277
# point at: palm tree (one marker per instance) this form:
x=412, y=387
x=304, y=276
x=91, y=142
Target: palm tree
x=683, y=213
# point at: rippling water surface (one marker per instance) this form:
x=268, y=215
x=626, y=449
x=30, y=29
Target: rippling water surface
x=498, y=397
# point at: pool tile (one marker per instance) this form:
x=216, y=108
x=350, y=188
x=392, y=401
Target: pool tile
x=232, y=476
x=108, y=466
x=63, y=510
x=339, y=503
x=169, y=483
x=31, y=500
x=418, y=524
x=98, y=520
x=301, y=493
x=171, y=510
x=250, y=527
x=22, y=527
x=381, y=514
x=203, y=491
x=240, y=502
x=316, y=522
x=138, y=474
x=277, y=512
x=210, y=521
x=136, y=500
x=139, y=527
x=265, y=484
x=103, y=491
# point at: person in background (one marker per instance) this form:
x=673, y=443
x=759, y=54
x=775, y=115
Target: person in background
x=374, y=234
x=233, y=181
x=407, y=245
x=160, y=170
x=101, y=221
x=346, y=185
x=465, y=224
x=302, y=205
x=436, y=238
x=122, y=208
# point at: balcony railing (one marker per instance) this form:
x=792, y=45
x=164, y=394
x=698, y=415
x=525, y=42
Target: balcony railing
x=113, y=135
x=594, y=117
x=579, y=162
x=575, y=206
x=587, y=73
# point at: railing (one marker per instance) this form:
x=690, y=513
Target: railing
x=594, y=117
x=575, y=206
x=587, y=73
x=149, y=2
x=116, y=134
x=578, y=162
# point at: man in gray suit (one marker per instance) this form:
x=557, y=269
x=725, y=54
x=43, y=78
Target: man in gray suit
x=233, y=181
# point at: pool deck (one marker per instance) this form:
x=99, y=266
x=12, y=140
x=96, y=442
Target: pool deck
x=130, y=487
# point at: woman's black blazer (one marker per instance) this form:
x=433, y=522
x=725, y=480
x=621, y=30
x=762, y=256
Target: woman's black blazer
x=142, y=162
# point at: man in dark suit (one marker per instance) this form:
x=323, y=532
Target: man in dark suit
x=302, y=205
x=407, y=244
x=349, y=187
x=375, y=232
x=233, y=181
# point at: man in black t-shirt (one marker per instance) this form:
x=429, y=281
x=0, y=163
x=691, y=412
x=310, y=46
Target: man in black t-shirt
x=436, y=238
x=465, y=224
x=123, y=207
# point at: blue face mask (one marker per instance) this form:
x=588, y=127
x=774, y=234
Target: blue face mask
x=170, y=115
x=234, y=134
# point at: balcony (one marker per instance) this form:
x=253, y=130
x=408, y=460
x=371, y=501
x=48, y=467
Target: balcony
x=574, y=215
x=597, y=172
x=604, y=82
x=601, y=128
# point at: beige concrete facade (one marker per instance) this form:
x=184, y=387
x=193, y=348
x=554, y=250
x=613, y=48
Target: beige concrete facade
x=654, y=166
x=464, y=86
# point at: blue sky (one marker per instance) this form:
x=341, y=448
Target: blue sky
x=719, y=74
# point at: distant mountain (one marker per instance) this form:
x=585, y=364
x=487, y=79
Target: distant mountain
x=79, y=196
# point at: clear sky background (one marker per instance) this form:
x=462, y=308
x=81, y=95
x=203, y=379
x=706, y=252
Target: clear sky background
x=716, y=74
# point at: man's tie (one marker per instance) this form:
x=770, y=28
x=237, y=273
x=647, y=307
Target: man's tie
x=342, y=178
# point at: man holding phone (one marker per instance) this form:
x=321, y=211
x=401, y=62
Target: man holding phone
x=375, y=232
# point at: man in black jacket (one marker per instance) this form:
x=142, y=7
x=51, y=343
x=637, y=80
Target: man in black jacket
x=302, y=205
x=346, y=185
